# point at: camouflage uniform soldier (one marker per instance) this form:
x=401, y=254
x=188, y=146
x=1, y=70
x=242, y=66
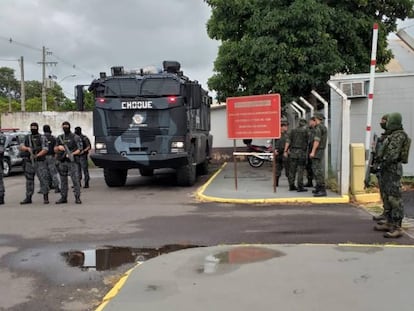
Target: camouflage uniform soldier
x=83, y=156
x=387, y=209
x=53, y=177
x=34, y=150
x=68, y=145
x=391, y=173
x=308, y=167
x=317, y=155
x=2, y=147
x=281, y=161
x=296, y=148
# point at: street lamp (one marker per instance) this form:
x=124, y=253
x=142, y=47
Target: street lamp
x=69, y=76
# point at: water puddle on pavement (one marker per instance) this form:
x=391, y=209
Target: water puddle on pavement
x=110, y=257
x=238, y=256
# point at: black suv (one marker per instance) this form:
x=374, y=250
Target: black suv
x=12, y=160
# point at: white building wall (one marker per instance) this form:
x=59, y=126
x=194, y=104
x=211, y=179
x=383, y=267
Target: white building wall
x=392, y=93
x=22, y=120
x=219, y=130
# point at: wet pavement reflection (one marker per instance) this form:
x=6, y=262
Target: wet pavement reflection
x=111, y=257
x=238, y=256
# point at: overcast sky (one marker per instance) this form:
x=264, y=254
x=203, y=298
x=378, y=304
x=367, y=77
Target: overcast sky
x=86, y=37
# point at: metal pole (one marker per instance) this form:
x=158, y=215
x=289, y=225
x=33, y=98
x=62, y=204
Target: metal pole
x=294, y=108
x=325, y=105
x=346, y=133
x=300, y=108
x=235, y=164
x=22, y=87
x=307, y=104
x=371, y=90
x=44, y=104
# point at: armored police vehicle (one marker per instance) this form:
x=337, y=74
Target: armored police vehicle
x=150, y=119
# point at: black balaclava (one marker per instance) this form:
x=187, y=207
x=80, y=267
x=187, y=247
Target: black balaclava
x=46, y=129
x=66, y=127
x=78, y=130
x=34, y=128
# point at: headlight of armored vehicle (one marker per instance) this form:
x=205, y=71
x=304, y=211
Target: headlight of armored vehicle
x=100, y=148
x=177, y=146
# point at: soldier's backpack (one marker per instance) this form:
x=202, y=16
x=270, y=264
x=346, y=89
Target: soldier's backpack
x=405, y=149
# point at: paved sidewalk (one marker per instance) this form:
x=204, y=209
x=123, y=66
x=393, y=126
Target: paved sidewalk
x=255, y=185
x=270, y=277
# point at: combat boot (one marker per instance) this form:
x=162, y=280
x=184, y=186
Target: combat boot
x=87, y=184
x=27, y=200
x=1, y=200
x=277, y=181
x=394, y=233
x=309, y=183
x=383, y=227
x=320, y=193
x=301, y=189
x=379, y=217
x=46, y=198
x=78, y=200
x=292, y=188
x=62, y=200
x=316, y=189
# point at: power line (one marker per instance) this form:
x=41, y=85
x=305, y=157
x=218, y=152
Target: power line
x=11, y=41
x=74, y=66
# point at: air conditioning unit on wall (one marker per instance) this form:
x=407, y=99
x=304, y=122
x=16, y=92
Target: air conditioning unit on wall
x=354, y=89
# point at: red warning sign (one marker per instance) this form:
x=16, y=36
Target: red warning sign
x=256, y=116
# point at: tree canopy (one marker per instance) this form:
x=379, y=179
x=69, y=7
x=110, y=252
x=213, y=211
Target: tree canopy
x=292, y=47
x=56, y=99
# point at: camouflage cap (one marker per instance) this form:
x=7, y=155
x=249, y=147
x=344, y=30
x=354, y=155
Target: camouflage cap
x=302, y=122
x=319, y=115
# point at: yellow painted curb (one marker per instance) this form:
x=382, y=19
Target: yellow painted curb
x=367, y=197
x=116, y=289
x=204, y=198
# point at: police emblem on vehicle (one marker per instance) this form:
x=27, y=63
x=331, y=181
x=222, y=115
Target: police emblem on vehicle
x=138, y=118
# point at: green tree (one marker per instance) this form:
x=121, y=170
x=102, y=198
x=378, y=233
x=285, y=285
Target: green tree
x=8, y=83
x=292, y=47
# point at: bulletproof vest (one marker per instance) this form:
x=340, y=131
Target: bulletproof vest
x=299, y=139
x=51, y=143
x=36, y=143
x=69, y=141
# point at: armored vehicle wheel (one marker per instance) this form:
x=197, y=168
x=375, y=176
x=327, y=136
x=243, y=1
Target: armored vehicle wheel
x=115, y=177
x=202, y=168
x=6, y=167
x=186, y=175
x=146, y=171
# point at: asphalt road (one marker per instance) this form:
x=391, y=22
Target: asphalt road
x=149, y=212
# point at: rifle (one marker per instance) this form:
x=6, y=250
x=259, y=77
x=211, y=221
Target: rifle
x=371, y=161
x=31, y=156
x=67, y=151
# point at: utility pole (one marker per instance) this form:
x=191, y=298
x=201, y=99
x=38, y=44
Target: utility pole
x=44, y=63
x=22, y=88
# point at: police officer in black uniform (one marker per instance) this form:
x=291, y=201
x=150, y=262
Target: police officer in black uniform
x=34, y=150
x=83, y=156
x=53, y=175
x=2, y=147
x=68, y=146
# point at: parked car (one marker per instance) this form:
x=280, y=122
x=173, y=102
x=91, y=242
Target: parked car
x=12, y=161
